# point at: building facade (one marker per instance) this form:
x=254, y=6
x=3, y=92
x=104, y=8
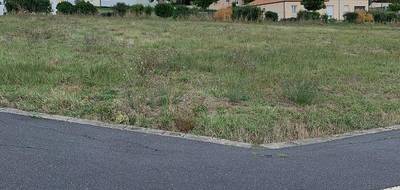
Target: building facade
x=289, y=8
x=222, y=4
x=2, y=8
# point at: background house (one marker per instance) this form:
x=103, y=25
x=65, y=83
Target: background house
x=2, y=8
x=289, y=8
x=222, y=4
x=110, y=3
x=383, y=4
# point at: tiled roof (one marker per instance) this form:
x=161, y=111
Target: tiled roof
x=263, y=2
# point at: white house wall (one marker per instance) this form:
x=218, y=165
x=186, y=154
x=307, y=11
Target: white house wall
x=110, y=3
x=2, y=8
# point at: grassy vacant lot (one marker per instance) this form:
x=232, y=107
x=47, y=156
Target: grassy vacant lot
x=248, y=82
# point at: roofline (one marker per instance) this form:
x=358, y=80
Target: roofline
x=278, y=1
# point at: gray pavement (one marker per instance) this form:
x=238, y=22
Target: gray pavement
x=46, y=154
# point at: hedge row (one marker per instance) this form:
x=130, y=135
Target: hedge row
x=121, y=9
x=37, y=6
x=81, y=7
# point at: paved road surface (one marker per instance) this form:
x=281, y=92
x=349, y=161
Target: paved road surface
x=45, y=154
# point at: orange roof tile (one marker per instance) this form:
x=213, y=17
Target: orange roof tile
x=263, y=2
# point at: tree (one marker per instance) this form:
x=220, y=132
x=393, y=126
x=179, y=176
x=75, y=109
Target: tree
x=85, y=8
x=394, y=5
x=66, y=7
x=120, y=9
x=164, y=10
x=204, y=4
x=313, y=5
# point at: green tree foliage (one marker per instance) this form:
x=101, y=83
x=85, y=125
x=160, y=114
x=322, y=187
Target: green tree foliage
x=148, y=10
x=164, y=10
x=308, y=15
x=181, y=11
x=394, y=5
x=33, y=6
x=85, y=8
x=137, y=9
x=66, y=7
x=350, y=17
x=271, y=16
x=120, y=9
x=313, y=5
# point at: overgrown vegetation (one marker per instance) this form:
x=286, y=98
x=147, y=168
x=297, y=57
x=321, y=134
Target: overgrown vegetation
x=385, y=16
x=308, y=15
x=31, y=6
x=85, y=8
x=164, y=10
x=120, y=9
x=358, y=17
x=394, y=6
x=247, y=82
x=246, y=13
x=138, y=9
x=271, y=16
x=148, y=10
x=181, y=11
x=66, y=7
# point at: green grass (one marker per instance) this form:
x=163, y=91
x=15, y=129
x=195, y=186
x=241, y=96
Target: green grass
x=248, y=82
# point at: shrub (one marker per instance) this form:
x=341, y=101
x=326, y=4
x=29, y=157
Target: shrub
x=148, y=10
x=12, y=6
x=85, y=8
x=66, y=7
x=164, y=10
x=392, y=16
x=358, y=17
x=363, y=17
x=107, y=14
x=350, y=17
x=271, y=16
x=247, y=13
x=181, y=11
x=394, y=6
x=292, y=19
x=308, y=15
x=137, y=9
x=385, y=16
x=36, y=6
x=325, y=18
x=301, y=92
x=120, y=9
x=204, y=4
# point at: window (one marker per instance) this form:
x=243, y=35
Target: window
x=329, y=10
x=294, y=7
x=359, y=8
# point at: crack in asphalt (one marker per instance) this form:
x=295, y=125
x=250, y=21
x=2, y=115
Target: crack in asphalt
x=22, y=147
x=86, y=136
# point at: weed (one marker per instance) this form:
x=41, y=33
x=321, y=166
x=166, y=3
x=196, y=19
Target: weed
x=301, y=92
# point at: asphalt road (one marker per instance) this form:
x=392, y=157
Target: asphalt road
x=45, y=154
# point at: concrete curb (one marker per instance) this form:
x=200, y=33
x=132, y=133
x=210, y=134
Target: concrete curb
x=327, y=139
x=196, y=137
